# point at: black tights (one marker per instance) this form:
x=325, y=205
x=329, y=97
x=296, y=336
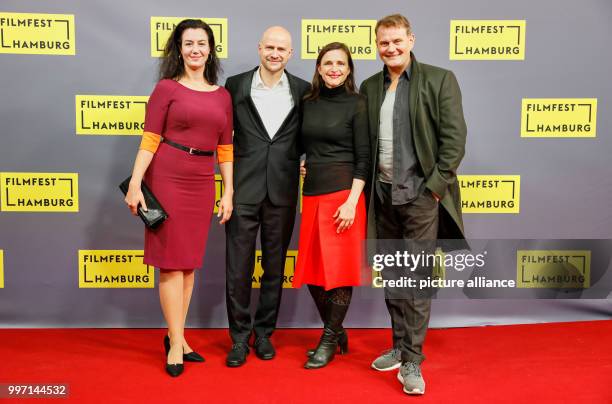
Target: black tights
x=332, y=304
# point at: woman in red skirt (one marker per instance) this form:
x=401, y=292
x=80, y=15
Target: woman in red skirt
x=332, y=233
x=188, y=118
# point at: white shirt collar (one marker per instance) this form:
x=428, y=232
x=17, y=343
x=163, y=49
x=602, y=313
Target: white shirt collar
x=259, y=84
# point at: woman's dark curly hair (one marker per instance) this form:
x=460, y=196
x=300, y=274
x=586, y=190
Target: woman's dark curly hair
x=172, y=66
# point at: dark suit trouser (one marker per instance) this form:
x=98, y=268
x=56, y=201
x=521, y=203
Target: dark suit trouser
x=416, y=220
x=241, y=234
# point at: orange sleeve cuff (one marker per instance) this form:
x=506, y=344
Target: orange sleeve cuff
x=225, y=153
x=150, y=141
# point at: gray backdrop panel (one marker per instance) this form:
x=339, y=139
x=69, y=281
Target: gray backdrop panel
x=566, y=183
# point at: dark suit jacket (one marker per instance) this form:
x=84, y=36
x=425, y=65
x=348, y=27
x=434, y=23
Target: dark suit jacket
x=264, y=166
x=439, y=133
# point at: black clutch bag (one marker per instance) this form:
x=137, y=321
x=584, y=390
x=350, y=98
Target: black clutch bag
x=155, y=215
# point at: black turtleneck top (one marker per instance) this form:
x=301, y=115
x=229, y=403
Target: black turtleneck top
x=336, y=141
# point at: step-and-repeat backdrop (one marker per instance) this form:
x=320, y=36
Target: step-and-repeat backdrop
x=75, y=78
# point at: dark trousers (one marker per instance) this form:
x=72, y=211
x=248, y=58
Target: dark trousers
x=416, y=221
x=241, y=234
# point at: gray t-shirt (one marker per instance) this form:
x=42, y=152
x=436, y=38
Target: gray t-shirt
x=385, y=139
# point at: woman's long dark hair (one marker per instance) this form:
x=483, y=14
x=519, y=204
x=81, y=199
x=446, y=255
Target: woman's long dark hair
x=172, y=66
x=317, y=81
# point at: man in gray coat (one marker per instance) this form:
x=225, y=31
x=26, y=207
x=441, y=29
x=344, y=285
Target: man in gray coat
x=417, y=133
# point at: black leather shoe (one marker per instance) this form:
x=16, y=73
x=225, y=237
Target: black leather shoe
x=237, y=356
x=342, y=344
x=192, y=356
x=264, y=348
x=175, y=369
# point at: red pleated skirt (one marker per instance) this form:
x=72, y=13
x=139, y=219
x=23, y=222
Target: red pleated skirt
x=326, y=258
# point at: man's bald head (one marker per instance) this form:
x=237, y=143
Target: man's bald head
x=276, y=33
x=275, y=48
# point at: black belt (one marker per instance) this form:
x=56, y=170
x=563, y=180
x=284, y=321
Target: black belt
x=190, y=150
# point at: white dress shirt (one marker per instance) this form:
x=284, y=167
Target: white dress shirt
x=273, y=104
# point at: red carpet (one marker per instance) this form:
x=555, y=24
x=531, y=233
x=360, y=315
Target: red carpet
x=545, y=363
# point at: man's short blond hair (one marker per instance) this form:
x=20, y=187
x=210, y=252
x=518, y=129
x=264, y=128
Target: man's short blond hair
x=394, y=20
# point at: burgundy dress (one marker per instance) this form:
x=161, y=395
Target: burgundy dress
x=184, y=183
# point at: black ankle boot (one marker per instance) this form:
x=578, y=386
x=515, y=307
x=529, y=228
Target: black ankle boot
x=332, y=307
x=342, y=344
x=335, y=308
x=328, y=344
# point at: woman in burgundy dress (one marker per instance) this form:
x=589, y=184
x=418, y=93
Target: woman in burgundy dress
x=332, y=232
x=188, y=118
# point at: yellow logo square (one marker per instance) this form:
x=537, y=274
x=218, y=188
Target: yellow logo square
x=39, y=192
x=110, y=114
x=37, y=34
x=114, y=269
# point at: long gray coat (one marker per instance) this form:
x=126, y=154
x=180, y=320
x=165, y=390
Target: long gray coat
x=439, y=133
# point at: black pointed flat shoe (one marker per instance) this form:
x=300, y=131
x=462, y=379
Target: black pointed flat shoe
x=174, y=369
x=192, y=356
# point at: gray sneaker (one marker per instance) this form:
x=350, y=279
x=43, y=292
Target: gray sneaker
x=389, y=360
x=410, y=376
